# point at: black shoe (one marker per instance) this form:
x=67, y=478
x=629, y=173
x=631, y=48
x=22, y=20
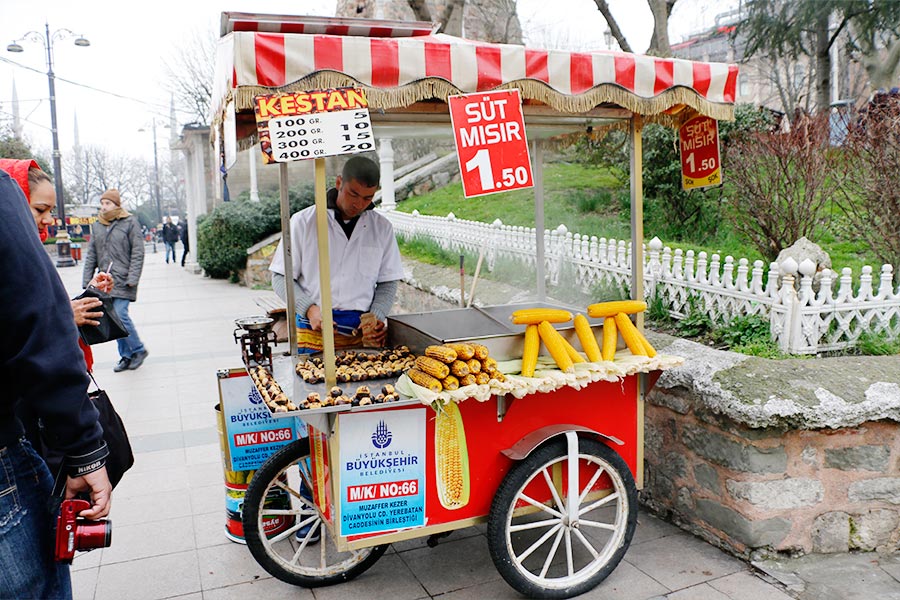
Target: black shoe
x=137, y=360
x=121, y=365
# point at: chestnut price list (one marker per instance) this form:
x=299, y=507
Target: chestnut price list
x=315, y=135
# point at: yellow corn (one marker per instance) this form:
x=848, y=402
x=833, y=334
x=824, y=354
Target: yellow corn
x=451, y=458
x=463, y=351
x=459, y=368
x=610, y=339
x=630, y=334
x=554, y=343
x=530, y=350
x=533, y=316
x=424, y=379
x=481, y=351
x=450, y=383
x=495, y=374
x=571, y=351
x=488, y=364
x=432, y=366
x=466, y=380
x=445, y=354
x=611, y=309
x=474, y=366
x=587, y=339
x=650, y=350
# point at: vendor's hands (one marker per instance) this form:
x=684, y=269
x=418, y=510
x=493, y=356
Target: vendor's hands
x=85, y=310
x=103, y=282
x=97, y=483
x=376, y=335
x=314, y=316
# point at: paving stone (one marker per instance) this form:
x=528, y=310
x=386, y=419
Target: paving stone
x=698, y=592
x=259, y=589
x=390, y=578
x=650, y=527
x=150, y=578
x=747, y=586
x=147, y=539
x=452, y=565
x=84, y=583
x=680, y=561
x=148, y=483
x=225, y=565
x=148, y=509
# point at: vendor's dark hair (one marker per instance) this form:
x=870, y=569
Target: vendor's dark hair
x=35, y=176
x=363, y=170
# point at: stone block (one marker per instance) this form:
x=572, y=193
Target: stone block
x=674, y=465
x=873, y=530
x=674, y=402
x=858, y=458
x=754, y=534
x=731, y=454
x=707, y=477
x=809, y=455
x=886, y=489
x=831, y=533
x=778, y=495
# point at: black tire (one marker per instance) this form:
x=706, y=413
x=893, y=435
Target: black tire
x=317, y=564
x=514, y=535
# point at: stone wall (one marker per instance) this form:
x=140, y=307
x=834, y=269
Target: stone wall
x=258, y=260
x=755, y=490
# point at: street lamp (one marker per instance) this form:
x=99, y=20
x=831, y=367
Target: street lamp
x=63, y=259
x=155, y=173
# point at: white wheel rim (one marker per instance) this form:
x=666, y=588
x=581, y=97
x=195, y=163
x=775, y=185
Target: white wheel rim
x=320, y=559
x=549, y=552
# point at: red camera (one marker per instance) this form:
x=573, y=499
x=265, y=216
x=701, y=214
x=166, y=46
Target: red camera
x=74, y=533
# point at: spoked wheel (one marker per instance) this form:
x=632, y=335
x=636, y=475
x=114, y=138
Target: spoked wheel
x=275, y=493
x=558, y=527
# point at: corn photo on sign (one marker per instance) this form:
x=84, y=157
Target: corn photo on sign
x=382, y=472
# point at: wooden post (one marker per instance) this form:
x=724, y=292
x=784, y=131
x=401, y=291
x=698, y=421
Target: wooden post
x=637, y=217
x=324, y=276
x=537, y=153
x=288, y=263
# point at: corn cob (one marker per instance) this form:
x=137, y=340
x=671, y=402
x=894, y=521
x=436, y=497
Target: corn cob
x=571, y=351
x=466, y=380
x=450, y=383
x=495, y=374
x=474, y=365
x=463, y=351
x=611, y=309
x=610, y=338
x=424, y=379
x=432, y=366
x=587, y=339
x=451, y=458
x=482, y=378
x=445, y=354
x=533, y=316
x=530, y=350
x=554, y=343
x=459, y=368
x=488, y=364
x=481, y=351
x=630, y=334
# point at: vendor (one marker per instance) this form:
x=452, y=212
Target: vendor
x=365, y=263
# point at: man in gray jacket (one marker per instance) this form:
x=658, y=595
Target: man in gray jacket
x=118, y=246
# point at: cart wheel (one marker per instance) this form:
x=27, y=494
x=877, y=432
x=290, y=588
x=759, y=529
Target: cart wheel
x=557, y=529
x=296, y=562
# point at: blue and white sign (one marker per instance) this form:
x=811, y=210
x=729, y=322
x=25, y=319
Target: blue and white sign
x=382, y=470
x=253, y=435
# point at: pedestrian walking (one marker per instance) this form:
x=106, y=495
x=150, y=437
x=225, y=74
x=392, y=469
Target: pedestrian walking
x=118, y=247
x=170, y=237
x=183, y=234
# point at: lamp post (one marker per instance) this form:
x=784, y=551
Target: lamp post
x=63, y=259
x=159, y=216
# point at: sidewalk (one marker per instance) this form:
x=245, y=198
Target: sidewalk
x=169, y=517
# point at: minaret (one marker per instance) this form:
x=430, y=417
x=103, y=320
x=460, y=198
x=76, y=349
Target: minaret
x=16, y=121
x=79, y=162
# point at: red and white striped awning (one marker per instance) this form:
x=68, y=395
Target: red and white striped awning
x=398, y=71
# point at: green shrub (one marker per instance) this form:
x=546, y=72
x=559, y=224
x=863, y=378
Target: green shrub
x=224, y=235
x=744, y=330
x=877, y=344
x=658, y=308
x=696, y=323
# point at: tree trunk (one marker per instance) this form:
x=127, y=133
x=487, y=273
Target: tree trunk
x=603, y=7
x=659, y=43
x=823, y=63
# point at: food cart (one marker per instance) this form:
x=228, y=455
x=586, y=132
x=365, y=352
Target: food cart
x=552, y=463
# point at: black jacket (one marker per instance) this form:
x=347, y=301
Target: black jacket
x=41, y=365
x=170, y=233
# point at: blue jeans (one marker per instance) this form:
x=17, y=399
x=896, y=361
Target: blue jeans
x=27, y=568
x=132, y=344
x=170, y=247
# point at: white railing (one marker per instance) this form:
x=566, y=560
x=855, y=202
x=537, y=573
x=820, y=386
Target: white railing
x=805, y=317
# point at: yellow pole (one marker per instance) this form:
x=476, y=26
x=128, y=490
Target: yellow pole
x=324, y=275
x=637, y=217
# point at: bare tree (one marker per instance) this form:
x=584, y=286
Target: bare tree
x=496, y=19
x=189, y=74
x=659, y=42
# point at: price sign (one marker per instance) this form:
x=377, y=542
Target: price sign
x=313, y=124
x=490, y=142
x=698, y=140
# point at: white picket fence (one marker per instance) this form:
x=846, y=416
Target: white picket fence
x=805, y=313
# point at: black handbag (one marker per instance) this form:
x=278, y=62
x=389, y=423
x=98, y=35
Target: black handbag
x=121, y=456
x=110, y=327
